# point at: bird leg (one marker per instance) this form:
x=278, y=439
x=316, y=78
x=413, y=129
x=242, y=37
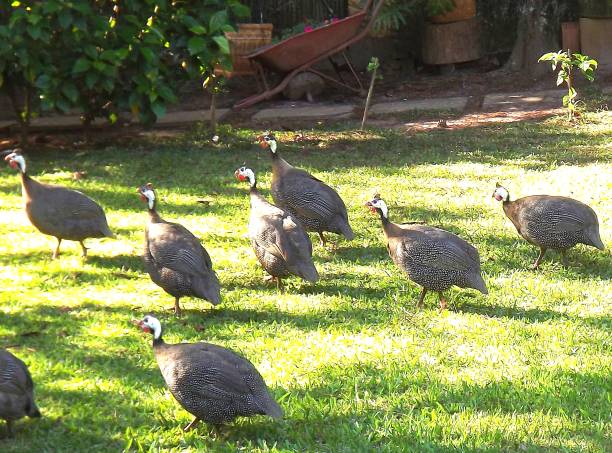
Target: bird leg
x=279, y=284
x=564, y=258
x=84, y=249
x=538, y=260
x=56, y=252
x=177, y=307
x=421, y=298
x=323, y=242
x=442, y=301
x=191, y=425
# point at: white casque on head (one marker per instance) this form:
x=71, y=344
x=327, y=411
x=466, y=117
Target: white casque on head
x=150, y=197
x=249, y=174
x=380, y=204
x=152, y=323
x=501, y=194
x=18, y=158
x=271, y=142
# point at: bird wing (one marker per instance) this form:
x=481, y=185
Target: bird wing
x=72, y=203
x=557, y=214
x=439, y=249
x=14, y=375
x=221, y=373
x=312, y=198
x=173, y=246
x=281, y=236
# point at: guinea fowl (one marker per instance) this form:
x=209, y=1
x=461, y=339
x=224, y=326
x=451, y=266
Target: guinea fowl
x=16, y=390
x=431, y=257
x=213, y=383
x=316, y=205
x=551, y=222
x=281, y=245
x=175, y=259
x=58, y=211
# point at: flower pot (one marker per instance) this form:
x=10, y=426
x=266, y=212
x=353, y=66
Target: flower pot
x=595, y=39
x=456, y=42
x=464, y=10
x=570, y=36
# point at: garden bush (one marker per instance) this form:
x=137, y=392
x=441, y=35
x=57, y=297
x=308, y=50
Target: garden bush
x=108, y=56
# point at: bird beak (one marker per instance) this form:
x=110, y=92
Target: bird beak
x=136, y=322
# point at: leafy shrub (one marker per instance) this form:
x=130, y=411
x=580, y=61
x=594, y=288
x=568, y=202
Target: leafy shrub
x=108, y=56
x=567, y=62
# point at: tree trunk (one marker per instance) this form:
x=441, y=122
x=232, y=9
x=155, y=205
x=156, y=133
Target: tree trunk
x=22, y=107
x=538, y=21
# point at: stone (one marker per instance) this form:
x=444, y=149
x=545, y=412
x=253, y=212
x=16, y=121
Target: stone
x=304, y=85
x=453, y=103
x=523, y=101
x=308, y=112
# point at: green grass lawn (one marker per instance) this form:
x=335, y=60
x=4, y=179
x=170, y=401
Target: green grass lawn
x=354, y=365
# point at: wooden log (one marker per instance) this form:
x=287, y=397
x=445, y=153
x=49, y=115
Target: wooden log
x=456, y=42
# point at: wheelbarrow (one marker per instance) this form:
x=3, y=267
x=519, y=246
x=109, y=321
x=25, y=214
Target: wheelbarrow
x=300, y=52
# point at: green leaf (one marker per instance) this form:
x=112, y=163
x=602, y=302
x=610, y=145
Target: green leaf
x=65, y=18
x=222, y=43
x=241, y=10
x=561, y=77
x=166, y=93
x=81, y=65
x=148, y=54
x=198, y=29
x=70, y=91
x=547, y=56
x=90, y=79
x=196, y=45
x=159, y=109
x=62, y=105
x=35, y=32
x=217, y=21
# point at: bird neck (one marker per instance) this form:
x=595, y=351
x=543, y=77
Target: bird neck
x=157, y=342
x=28, y=185
x=154, y=217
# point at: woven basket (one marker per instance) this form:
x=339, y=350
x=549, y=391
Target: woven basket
x=245, y=41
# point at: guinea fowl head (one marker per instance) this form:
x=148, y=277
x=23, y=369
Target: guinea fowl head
x=15, y=160
x=377, y=205
x=147, y=194
x=150, y=324
x=268, y=141
x=246, y=174
x=501, y=193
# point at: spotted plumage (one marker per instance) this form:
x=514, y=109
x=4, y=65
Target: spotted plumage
x=175, y=259
x=317, y=206
x=58, y=211
x=280, y=243
x=16, y=390
x=551, y=222
x=431, y=257
x=213, y=383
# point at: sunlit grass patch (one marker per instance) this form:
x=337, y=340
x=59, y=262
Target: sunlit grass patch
x=355, y=366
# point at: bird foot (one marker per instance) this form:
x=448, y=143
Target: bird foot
x=191, y=425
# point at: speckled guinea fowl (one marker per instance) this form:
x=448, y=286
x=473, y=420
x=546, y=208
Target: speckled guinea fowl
x=281, y=245
x=213, y=383
x=551, y=222
x=16, y=390
x=316, y=205
x=175, y=258
x=58, y=211
x=431, y=257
